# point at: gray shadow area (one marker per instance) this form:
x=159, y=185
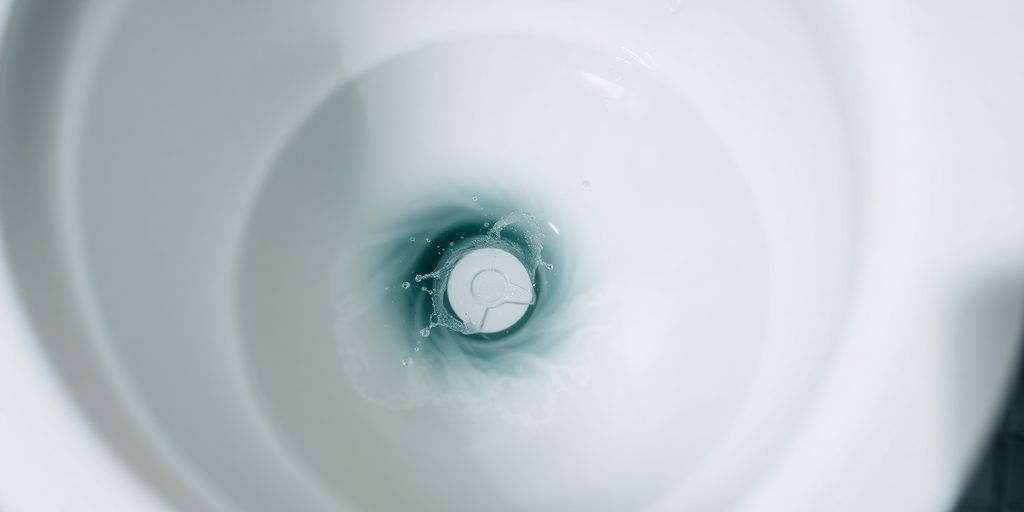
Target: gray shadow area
x=997, y=481
x=997, y=484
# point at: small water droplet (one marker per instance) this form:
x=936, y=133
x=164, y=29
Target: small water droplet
x=451, y=244
x=412, y=239
x=417, y=347
x=424, y=332
x=406, y=285
x=386, y=288
x=487, y=224
x=550, y=266
x=406, y=361
x=587, y=185
x=475, y=199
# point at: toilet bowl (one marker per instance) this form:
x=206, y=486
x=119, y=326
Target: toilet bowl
x=551, y=255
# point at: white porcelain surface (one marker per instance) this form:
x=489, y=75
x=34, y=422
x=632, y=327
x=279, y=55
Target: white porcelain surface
x=832, y=247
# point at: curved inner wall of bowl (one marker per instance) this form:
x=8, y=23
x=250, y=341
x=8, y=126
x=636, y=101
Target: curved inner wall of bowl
x=218, y=187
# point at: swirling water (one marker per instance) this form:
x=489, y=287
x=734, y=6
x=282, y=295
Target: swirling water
x=644, y=249
x=445, y=361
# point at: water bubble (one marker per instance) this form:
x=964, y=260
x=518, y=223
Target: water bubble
x=587, y=185
x=451, y=244
x=550, y=266
x=406, y=361
x=475, y=199
x=406, y=285
x=427, y=240
x=425, y=332
x=417, y=347
x=487, y=224
x=412, y=239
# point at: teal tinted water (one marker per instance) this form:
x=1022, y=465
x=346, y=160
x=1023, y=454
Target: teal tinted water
x=658, y=262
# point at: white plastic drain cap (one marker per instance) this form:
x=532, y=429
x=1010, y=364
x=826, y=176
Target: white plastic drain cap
x=490, y=290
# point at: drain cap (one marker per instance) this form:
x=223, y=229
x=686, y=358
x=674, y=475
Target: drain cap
x=490, y=290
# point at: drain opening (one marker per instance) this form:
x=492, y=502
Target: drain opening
x=490, y=290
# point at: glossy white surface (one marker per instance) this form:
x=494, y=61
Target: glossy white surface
x=840, y=181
